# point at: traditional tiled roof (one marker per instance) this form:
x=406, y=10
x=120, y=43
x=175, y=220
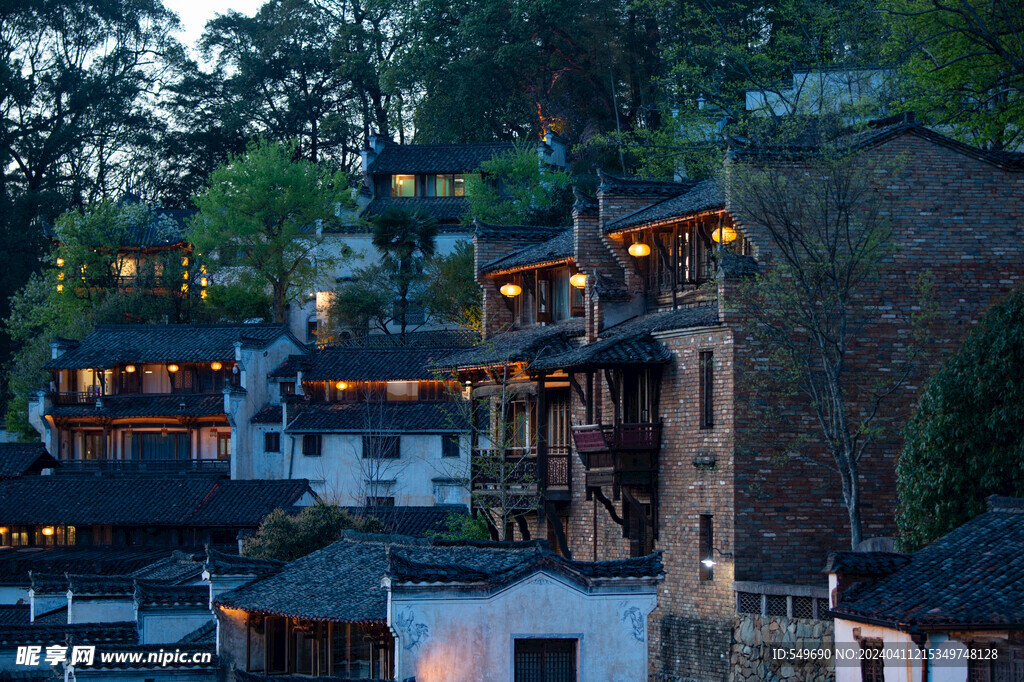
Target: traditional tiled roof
x=584, y=202
x=556, y=249
x=121, y=407
x=439, y=208
x=631, y=342
x=48, y=583
x=436, y=158
x=204, y=634
x=385, y=417
x=620, y=185
x=159, y=594
x=411, y=521
x=439, y=338
x=372, y=364
x=490, y=564
x=203, y=670
x=100, y=585
x=223, y=563
x=519, y=233
x=147, y=501
x=339, y=583
x=523, y=345
x=704, y=196
x=865, y=563
x=56, y=633
x=17, y=562
x=180, y=567
x=268, y=414
x=17, y=459
x=970, y=577
x=15, y=614
x=109, y=345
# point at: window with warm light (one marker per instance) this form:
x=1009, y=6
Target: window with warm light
x=403, y=185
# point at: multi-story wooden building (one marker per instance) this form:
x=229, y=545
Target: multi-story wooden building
x=619, y=340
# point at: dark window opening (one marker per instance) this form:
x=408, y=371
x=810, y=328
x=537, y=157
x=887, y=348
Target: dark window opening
x=287, y=388
x=872, y=664
x=272, y=442
x=545, y=660
x=707, y=389
x=381, y=447
x=380, y=502
x=706, y=542
x=449, y=446
x=311, y=445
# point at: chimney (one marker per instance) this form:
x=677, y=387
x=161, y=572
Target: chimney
x=554, y=151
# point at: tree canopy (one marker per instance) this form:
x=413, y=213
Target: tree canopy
x=966, y=439
x=288, y=537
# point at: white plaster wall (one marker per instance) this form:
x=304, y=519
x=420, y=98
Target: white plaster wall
x=341, y=473
x=254, y=365
x=169, y=625
x=45, y=603
x=15, y=594
x=465, y=637
x=105, y=610
x=907, y=670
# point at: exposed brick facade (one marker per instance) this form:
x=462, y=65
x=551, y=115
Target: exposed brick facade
x=958, y=217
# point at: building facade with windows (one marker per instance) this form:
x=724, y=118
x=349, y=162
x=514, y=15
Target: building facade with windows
x=949, y=612
x=634, y=417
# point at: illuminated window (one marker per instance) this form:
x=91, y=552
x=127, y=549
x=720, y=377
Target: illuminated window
x=447, y=185
x=403, y=185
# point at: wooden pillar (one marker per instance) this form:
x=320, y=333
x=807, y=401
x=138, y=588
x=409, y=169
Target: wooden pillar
x=542, y=432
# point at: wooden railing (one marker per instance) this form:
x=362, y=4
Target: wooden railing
x=602, y=438
x=136, y=466
x=516, y=469
x=73, y=398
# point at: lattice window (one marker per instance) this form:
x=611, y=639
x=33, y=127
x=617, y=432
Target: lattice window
x=777, y=605
x=750, y=602
x=823, y=613
x=803, y=607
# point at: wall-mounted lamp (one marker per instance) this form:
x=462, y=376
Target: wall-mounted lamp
x=172, y=368
x=216, y=366
x=341, y=385
x=709, y=560
x=510, y=290
x=639, y=250
x=130, y=369
x=47, y=530
x=579, y=280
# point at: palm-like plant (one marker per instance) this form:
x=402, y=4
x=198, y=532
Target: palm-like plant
x=405, y=239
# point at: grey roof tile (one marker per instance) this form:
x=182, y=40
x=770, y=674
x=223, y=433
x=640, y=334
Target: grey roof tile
x=704, y=196
x=531, y=345
x=436, y=158
x=386, y=417
x=121, y=407
x=109, y=345
x=446, y=209
x=17, y=459
x=557, y=248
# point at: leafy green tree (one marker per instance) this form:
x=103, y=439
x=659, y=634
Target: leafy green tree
x=462, y=527
x=387, y=292
x=288, y=537
x=966, y=439
x=262, y=215
x=452, y=293
x=516, y=189
x=963, y=66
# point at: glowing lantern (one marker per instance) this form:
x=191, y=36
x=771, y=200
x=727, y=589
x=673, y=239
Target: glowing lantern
x=47, y=530
x=724, y=234
x=60, y=262
x=184, y=262
x=203, y=281
x=130, y=369
x=172, y=368
x=60, y=288
x=511, y=290
x=579, y=280
x=639, y=250
x=202, y=294
x=60, y=275
x=216, y=366
x=341, y=385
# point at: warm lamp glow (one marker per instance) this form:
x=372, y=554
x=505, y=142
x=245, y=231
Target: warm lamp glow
x=579, y=280
x=184, y=262
x=60, y=262
x=511, y=290
x=129, y=368
x=710, y=563
x=341, y=385
x=172, y=368
x=47, y=530
x=203, y=294
x=3, y=529
x=203, y=281
x=60, y=288
x=724, y=234
x=639, y=250
x=216, y=366
x=60, y=275
x=184, y=275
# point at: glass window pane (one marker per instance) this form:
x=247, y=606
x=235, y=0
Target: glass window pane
x=403, y=185
x=459, y=186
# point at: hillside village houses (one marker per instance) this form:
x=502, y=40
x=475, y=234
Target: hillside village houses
x=649, y=535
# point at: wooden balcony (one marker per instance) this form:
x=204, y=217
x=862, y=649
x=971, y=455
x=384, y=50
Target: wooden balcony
x=157, y=467
x=623, y=454
x=73, y=398
x=518, y=473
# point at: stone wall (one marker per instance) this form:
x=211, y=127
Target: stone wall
x=754, y=637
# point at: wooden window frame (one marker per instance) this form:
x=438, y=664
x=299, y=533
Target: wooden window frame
x=312, y=444
x=272, y=437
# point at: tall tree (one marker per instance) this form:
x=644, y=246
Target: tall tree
x=262, y=216
x=964, y=66
x=822, y=216
x=966, y=439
